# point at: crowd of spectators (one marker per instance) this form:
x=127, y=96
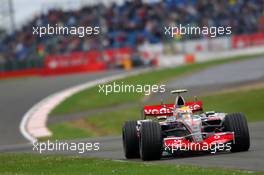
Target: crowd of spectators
x=130, y=24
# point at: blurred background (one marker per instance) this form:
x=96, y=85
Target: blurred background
x=131, y=33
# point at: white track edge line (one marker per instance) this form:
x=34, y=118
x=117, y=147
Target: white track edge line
x=30, y=114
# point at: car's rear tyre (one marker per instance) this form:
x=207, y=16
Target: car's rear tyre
x=150, y=141
x=130, y=140
x=237, y=123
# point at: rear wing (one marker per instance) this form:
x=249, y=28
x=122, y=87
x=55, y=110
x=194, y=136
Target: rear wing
x=167, y=109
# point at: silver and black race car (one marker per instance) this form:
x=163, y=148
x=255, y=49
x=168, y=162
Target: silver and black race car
x=183, y=126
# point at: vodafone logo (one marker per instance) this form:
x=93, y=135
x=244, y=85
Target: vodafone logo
x=158, y=111
x=161, y=110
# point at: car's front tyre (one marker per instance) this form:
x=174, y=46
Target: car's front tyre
x=237, y=123
x=150, y=141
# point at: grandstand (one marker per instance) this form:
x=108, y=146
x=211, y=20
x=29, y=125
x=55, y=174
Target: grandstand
x=125, y=25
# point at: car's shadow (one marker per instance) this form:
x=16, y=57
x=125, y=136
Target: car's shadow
x=184, y=155
x=190, y=154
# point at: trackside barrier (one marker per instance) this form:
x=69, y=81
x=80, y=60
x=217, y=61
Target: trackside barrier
x=44, y=72
x=78, y=62
x=21, y=73
x=171, y=61
x=242, y=41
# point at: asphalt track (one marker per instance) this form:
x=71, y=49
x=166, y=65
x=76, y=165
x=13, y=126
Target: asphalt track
x=111, y=147
x=232, y=73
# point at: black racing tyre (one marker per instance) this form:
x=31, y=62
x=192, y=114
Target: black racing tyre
x=237, y=123
x=130, y=140
x=150, y=141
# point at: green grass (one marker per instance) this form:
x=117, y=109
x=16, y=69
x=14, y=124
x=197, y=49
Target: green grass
x=67, y=131
x=92, y=99
x=249, y=102
x=105, y=123
x=29, y=164
x=113, y=122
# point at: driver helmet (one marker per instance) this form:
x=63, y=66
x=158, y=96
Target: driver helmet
x=183, y=113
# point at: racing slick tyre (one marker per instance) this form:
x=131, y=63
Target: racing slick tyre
x=130, y=140
x=150, y=141
x=237, y=123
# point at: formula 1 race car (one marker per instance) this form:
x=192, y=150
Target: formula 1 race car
x=183, y=126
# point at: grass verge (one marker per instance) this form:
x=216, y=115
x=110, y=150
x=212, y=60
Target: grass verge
x=91, y=99
x=27, y=164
